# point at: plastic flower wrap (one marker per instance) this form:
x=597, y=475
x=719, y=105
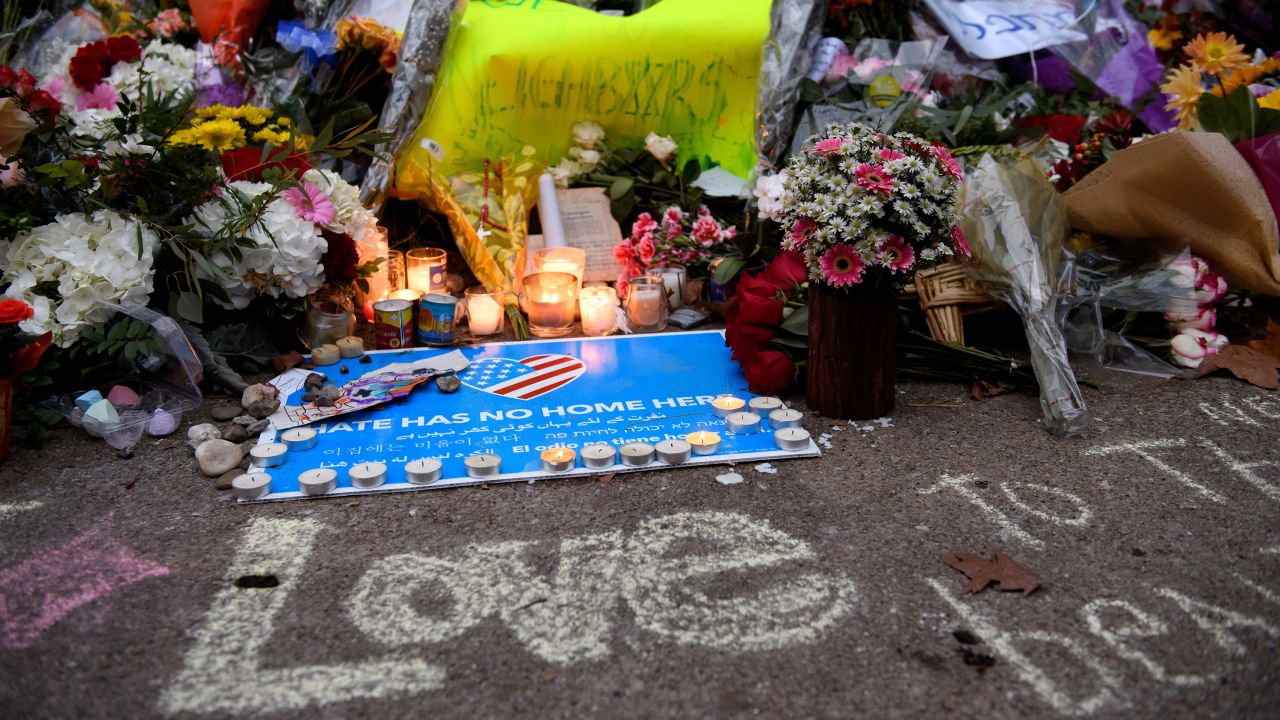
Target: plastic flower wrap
x=68, y=269
x=316, y=46
x=1017, y=227
x=867, y=207
x=1217, y=72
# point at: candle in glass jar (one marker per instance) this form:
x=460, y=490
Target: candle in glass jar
x=484, y=314
x=410, y=295
x=549, y=309
x=598, y=304
x=645, y=305
x=426, y=269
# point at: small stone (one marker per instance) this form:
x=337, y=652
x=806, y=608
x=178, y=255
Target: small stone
x=257, y=428
x=224, y=480
x=162, y=423
x=327, y=396
x=256, y=394
x=198, y=435
x=314, y=381
x=223, y=412
x=263, y=408
x=218, y=456
x=235, y=433
x=308, y=397
x=245, y=420
x=124, y=397
x=365, y=360
x=343, y=369
x=448, y=383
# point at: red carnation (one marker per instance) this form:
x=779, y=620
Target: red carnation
x=341, y=259
x=770, y=372
x=123, y=48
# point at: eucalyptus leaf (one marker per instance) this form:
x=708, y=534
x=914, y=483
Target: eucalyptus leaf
x=189, y=307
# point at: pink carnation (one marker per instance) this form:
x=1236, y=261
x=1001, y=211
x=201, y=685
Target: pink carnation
x=646, y=249
x=706, y=231
x=623, y=253
x=644, y=225
x=101, y=97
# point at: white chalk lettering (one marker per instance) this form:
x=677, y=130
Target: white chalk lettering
x=1143, y=448
x=963, y=484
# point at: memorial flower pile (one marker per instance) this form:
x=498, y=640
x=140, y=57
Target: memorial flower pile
x=678, y=238
x=871, y=208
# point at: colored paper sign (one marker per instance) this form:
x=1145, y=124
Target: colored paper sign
x=522, y=72
x=521, y=398
x=993, y=29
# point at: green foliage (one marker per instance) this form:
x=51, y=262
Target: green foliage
x=636, y=182
x=1237, y=116
x=126, y=339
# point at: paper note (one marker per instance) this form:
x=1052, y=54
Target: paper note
x=589, y=225
x=993, y=29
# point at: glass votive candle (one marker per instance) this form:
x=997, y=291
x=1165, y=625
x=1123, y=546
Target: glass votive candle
x=550, y=299
x=561, y=259
x=425, y=268
x=674, y=277
x=598, y=305
x=646, y=303
x=330, y=317
x=396, y=277
x=484, y=311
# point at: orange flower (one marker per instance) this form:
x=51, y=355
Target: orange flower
x=362, y=32
x=1216, y=52
x=1236, y=78
x=1184, y=91
x=1163, y=38
x=1270, y=100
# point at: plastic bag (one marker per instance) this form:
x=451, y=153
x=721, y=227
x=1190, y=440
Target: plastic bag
x=794, y=29
x=1017, y=226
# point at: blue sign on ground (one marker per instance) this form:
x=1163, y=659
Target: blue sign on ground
x=521, y=398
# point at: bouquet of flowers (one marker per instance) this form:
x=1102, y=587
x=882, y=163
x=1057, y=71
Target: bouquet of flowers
x=870, y=209
x=688, y=239
x=1220, y=89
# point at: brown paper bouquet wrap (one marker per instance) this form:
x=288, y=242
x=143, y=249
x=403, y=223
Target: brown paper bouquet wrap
x=1185, y=188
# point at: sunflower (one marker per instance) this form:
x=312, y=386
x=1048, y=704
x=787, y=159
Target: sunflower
x=1184, y=91
x=1216, y=52
x=219, y=135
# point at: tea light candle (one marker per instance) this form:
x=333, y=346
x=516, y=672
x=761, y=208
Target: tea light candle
x=674, y=452
x=742, y=423
x=484, y=315
x=350, y=347
x=558, y=459
x=599, y=456
x=326, y=355
x=367, y=475
x=483, y=465
x=598, y=305
x=250, y=486
x=637, y=454
x=320, y=481
x=764, y=405
x=785, y=418
x=423, y=471
x=269, y=454
x=406, y=294
x=792, y=439
x=299, y=438
x=704, y=442
x=726, y=405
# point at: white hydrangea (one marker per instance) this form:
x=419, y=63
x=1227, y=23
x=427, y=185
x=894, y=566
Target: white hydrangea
x=287, y=252
x=169, y=68
x=87, y=260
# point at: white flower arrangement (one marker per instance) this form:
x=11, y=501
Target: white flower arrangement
x=66, y=271
x=168, y=68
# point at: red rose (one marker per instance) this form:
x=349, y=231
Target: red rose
x=786, y=271
x=1063, y=128
x=771, y=371
x=763, y=310
x=243, y=164
x=123, y=48
x=14, y=311
x=43, y=104
x=755, y=285
x=8, y=78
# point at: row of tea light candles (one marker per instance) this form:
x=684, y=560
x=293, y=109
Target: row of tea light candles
x=788, y=435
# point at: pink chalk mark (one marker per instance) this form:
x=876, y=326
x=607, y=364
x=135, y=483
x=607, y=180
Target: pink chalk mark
x=55, y=580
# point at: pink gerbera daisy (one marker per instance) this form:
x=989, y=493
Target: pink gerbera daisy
x=957, y=237
x=801, y=231
x=888, y=154
x=828, y=147
x=894, y=253
x=949, y=164
x=874, y=178
x=312, y=204
x=842, y=266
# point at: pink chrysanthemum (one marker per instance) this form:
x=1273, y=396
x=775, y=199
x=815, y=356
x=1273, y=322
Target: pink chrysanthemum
x=842, y=266
x=312, y=204
x=874, y=178
x=801, y=231
x=957, y=237
x=895, y=254
x=949, y=165
x=828, y=147
x=888, y=154
x=101, y=97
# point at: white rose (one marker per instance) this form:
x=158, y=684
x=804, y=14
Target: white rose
x=662, y=148
x=588, y=159
x=564, y=171
x=587, y=134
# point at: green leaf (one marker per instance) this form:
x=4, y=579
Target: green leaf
x=117, y=331
x=691, y=172
x=620, y=187
x=728, y=269
x=190, y=308
x=1237, y=116
x=791, y=342
x=797, y=323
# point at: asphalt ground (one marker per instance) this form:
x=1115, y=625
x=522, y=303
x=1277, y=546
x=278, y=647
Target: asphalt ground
x=132, y=588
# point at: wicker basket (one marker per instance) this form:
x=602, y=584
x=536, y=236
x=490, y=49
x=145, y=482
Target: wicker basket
x=947, y=293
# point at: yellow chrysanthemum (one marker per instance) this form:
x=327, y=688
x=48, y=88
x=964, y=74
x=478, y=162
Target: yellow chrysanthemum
x=303, y=141
x=212, y=111
x=1162, y=39
x=254, y=115
x=1184, y=91
x=1270, y=100
x=184, y=137
x=272, y=137
x=219, y=135
x=284, y=121
x=1216, y=52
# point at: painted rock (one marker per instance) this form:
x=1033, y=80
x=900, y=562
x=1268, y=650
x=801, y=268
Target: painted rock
x=162, y=423
x=87, y=400
x=124, y=397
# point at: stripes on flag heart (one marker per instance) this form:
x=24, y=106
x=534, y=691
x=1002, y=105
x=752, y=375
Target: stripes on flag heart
x=522, y=379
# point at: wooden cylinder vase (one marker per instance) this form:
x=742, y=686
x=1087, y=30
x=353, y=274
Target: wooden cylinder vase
x=852, y=338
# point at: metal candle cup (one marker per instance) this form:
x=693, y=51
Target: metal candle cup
x=726, y=405
x=558, y=459
x=704, y=442
x=319, y=481
x=250, y=486
x=269, y=455
x=367, y=475
x=764, y=405
x=637, y=454
x=483, y=465
x=791, y=439
x=599, y=456
x=785, y=418
x=743, y=423
x=423, y=471
x=299, y=438
x=674, y=452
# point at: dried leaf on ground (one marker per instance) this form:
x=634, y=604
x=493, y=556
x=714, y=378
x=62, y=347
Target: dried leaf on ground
x=1008, y=575
x=606, y=478
x=1253, y=366
x=981, y=389
x=1269, y=344
x=287, y=361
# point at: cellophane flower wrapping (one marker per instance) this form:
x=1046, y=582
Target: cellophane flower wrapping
x=1017, y=230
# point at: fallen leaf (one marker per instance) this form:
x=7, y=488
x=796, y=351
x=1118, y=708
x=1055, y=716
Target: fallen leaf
x=287, y=361
x=1269, y=344
x=1253, y=366
x=981, y=389
x=1008, y=575
x=607, y=478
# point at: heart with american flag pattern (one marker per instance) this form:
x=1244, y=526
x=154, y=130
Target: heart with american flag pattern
x=522, y=379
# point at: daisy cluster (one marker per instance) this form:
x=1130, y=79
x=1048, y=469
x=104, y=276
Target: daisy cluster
x=863, y=205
